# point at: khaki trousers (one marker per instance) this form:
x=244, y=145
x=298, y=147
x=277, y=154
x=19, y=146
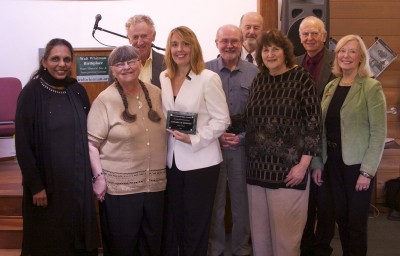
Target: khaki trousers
x=277, y=220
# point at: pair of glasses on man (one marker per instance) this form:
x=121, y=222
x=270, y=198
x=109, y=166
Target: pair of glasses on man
x=233, y=42
x=130, y=63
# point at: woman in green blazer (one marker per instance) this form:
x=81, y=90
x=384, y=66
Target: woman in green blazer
x=354, y=118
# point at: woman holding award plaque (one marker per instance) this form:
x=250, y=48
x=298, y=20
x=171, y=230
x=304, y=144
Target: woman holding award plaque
x=197, y=114
x=127, y=143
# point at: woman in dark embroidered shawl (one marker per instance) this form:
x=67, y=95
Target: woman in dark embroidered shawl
x=282, y=135
x=52, y=151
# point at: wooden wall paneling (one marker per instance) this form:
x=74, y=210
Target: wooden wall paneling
x=391, y=118
x=364, y=26
x=369, y=10
x=390, y=78
x=269, y=10
x=392, y=95
x=393, y=130
x=395, y=65
x=346, y=2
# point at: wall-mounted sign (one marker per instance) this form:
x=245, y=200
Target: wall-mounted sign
x=92, y=69
x=380, y=57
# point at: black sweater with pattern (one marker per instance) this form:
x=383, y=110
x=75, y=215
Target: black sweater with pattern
x=283, y=122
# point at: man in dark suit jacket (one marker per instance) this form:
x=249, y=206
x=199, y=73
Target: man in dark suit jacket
x=316, y=53
x=141, y=34
x=325, y=74
x=251, y=24
x=158, y=66
x=318, y=61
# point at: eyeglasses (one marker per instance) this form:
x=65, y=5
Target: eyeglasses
x=121, y=65
x=233, y=42
x=313, y=34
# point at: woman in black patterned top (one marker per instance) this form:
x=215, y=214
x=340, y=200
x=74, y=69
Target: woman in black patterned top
x=283, y=133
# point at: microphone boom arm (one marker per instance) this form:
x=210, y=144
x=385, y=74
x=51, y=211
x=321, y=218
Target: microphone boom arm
x=116, y=34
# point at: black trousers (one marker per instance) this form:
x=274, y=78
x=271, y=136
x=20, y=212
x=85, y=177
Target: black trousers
x=132, y=224
x=320, y=226
x=190, y=201
x=351, y=206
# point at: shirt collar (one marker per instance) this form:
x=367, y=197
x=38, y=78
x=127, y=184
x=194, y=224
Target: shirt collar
x=221, y=65
x=150, y=58
x=316, y=58
x=245, y=52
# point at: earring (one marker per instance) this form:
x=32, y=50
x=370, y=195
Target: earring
x=45, y=68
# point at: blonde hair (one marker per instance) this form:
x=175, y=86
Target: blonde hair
x=363, y=68
x=196, y=59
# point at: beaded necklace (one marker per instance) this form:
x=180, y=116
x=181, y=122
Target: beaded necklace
x=49, y=88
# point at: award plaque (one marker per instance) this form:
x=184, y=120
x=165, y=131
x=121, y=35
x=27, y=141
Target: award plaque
x=182, y=121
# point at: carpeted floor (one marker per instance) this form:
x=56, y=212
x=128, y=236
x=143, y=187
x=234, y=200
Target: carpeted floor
x=383, y=237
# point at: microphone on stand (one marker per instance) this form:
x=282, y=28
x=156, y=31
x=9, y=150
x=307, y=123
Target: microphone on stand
x=96, y=23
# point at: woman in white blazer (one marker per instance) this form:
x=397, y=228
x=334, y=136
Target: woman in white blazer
x=193, y=159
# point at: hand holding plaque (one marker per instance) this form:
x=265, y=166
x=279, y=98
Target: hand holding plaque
x=185, y=122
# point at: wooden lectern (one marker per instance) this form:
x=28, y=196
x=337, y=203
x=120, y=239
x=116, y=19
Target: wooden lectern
x=90, y=67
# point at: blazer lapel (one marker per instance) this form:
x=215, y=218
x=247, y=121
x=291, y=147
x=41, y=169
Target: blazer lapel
x=326, y=72
x=156, y=68
x=185, y=92
x=168, y=95
x=327, y=97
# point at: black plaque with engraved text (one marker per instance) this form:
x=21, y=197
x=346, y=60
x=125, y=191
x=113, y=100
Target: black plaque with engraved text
x=182, y=121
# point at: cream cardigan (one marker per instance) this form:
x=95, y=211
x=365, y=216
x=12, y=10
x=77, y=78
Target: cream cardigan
x=132, y=155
